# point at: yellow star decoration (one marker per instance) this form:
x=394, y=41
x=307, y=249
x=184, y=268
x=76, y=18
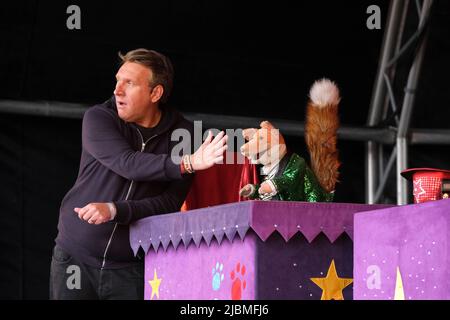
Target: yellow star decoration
x=399, y=292
x=332, y=285
x=155, y=285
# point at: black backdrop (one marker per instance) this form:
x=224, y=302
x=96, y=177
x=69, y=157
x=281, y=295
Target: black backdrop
x=232, y=58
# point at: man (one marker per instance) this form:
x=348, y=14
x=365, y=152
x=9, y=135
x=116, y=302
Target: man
x=126, y=173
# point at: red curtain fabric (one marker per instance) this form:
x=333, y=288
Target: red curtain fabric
x=220, y=184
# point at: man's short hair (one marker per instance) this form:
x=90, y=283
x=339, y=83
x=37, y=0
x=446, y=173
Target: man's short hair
x=159, y=64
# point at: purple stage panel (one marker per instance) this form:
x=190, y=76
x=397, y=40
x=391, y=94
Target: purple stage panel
x=403, y=253
x=214, y=272
x=232, y=251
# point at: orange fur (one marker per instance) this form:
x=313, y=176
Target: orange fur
x=321, y=137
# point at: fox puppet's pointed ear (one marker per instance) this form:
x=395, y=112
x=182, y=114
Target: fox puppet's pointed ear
x=274, y=136
x=266, y=125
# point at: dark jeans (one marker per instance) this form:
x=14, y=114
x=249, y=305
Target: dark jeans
x=73, y=280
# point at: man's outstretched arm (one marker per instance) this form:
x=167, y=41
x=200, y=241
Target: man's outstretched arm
x=103, y=140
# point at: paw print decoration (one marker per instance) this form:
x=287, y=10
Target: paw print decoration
x=238, y=285
x=217, y=276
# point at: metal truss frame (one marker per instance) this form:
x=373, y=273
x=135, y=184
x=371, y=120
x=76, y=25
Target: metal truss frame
x=384, y=106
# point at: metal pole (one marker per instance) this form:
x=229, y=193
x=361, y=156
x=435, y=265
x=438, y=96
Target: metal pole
x=380, y=169
x=287, y=127
x=384, y=178
x=402, y=163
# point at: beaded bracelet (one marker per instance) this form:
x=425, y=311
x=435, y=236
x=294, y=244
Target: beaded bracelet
x=187, y=164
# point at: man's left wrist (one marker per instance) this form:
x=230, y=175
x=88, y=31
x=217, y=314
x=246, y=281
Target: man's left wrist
x=112, y=210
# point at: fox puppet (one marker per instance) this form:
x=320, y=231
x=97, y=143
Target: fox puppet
x=286, y=175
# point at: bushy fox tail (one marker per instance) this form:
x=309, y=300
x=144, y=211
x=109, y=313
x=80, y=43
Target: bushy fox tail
x=322, y=122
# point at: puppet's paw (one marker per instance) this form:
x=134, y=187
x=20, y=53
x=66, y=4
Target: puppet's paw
x=247, y=191
x=266, y=188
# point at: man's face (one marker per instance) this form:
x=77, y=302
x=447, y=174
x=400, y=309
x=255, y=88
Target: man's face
x=132, y=92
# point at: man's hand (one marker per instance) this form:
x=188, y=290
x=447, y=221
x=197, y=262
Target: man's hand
x=210, y=152
x=94, y=213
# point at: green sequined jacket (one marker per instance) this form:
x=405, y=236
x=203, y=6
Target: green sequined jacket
x=297, y=182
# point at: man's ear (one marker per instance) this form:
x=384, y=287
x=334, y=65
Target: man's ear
x=157, y=93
